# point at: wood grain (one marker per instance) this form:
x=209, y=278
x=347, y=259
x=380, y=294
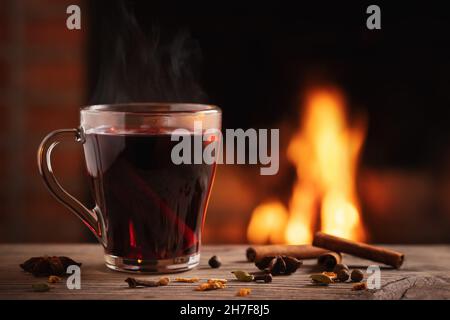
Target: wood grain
x=424, y=275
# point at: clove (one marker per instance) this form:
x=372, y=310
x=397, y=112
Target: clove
x=267, y=277
x=134, y=283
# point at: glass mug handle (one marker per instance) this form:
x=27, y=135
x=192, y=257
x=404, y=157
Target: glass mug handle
x=91, y=218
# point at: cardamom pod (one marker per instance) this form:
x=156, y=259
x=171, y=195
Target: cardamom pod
x=243, y=276
x=40, y=287
x=321, y=278
x=332, y=275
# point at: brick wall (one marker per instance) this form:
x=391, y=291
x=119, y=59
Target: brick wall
x=42, y=86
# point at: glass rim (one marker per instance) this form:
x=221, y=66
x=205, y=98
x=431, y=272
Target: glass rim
x=152, y=108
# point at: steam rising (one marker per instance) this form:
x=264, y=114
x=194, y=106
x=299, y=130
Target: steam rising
x=138, y=66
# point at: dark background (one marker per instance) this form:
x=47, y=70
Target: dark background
x=255, y=60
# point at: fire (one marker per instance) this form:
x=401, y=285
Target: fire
x=325, y=152
x=268, y=223
x=300, y=225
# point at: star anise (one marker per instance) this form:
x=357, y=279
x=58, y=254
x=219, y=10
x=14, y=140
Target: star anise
x=46, y=266
x=278, y=265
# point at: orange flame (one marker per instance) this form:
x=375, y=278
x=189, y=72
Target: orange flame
x=268, y=223
x=325, y=153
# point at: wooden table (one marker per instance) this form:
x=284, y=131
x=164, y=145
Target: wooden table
x=425, y=275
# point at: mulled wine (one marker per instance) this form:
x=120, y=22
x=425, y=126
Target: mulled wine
x=153, y=209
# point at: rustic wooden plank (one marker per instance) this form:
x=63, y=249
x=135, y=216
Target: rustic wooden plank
x=425, y=275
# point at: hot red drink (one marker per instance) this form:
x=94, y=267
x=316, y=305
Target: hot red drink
x=151, y=193
x=153, y=209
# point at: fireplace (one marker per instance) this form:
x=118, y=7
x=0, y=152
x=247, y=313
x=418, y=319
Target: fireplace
x=325, y=152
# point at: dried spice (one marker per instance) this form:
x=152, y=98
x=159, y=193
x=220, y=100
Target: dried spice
x=187, y=280
x=266, y=263
x=210, y=286
x=46, y=266
x=214, y=262
x=292, y=264
x=266, y=277
x=54, y=279
x=134, y=283
x=278, y=265
x=259, y=273
x=359, y=249
x=204, y=287
x=343, y=275
x=40, y=287
x=359, y=286
x=321, y=278
x=305, y=251
x=329, y=260
x=332, y=275
x=223, y=281
x=243, y=276
x=357, y=275
x=339, y=267
x=243, y=292
x=164, y=281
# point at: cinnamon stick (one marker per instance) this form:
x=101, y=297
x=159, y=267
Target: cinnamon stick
x=358, y=249
x=329, y=260
x=305, y=251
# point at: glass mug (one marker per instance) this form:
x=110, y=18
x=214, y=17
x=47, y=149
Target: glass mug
x=149, y=212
